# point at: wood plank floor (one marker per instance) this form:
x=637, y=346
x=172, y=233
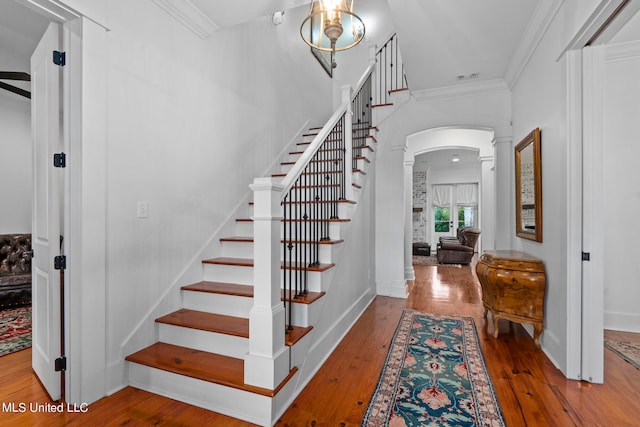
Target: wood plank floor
x=531, y=390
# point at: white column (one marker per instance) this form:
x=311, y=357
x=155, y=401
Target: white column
x=487, y=220
x=266, y=364
x=409, y=274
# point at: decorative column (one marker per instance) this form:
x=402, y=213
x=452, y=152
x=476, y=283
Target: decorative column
x=266, y=364
x=487, y=220
x=409, y=274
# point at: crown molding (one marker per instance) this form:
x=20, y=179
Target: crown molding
x=189, y=16
x=466, y=89
x=628, y=51
x=542, y=18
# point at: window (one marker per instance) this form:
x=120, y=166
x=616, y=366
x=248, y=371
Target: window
x=441, y=219
x=466, y=216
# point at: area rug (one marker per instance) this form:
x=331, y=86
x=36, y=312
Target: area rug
x=15, y=329
x=628, y=351
x=431, y=260
x=434, y=375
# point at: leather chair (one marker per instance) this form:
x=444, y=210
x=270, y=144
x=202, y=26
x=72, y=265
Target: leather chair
x=458, y=250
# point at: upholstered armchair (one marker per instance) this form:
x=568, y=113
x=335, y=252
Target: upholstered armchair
x=458, y=250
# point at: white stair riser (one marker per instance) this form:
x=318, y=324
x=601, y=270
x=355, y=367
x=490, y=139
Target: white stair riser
x=244, y=228
x=306, y=314
x=228, y=305
x=228, y=274
x=211, y=342
x=244, y=276
x=344, y=212
x=245, y=250
x=229, y=401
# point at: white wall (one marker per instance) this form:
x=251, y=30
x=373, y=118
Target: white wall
x=15, y=164
x=190, y=123
x=621, y=198
x=540, y=100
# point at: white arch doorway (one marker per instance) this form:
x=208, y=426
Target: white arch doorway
x=480, y=140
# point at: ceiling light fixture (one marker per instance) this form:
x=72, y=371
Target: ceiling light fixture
x=324, y=27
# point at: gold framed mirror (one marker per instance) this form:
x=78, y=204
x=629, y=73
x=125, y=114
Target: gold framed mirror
x=529, y=187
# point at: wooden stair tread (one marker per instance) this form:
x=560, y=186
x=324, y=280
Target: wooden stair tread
x=308, y=298
x=367, y=147
x=299, y=220
x=278, y=175
x=293, y=336
x=250, y=240
x=248, y=262
x=324, y=150
x=221, y=288
x=371, y=137
x=300, y=266
x=321, y=201
x=305, y=202
x=202, y=365
x=210, y=322
x=382, y=105
x=245, y=291
x=241, y=262
x=312, y=161
x=244, y=239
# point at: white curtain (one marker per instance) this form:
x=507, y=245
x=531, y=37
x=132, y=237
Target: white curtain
x=467, y=195
x=442, y=196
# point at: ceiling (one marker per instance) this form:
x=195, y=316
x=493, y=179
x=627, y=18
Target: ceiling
x=444, y=43
x=440, y=40
x=442, y=159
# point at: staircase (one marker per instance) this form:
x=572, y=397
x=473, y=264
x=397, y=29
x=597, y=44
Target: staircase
x=243, y=343
x=292, y=278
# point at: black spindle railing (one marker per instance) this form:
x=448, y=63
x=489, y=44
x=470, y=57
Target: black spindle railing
x=389, y=71
x=362, y=122
x=308, y=208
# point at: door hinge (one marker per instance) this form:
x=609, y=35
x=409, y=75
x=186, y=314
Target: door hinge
x=60, y=160
x=61, y=364
x=59, y=58
x=60, y=262
x=586, y=256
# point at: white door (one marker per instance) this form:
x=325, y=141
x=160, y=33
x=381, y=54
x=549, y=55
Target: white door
x=454, y=206
x=46, y=131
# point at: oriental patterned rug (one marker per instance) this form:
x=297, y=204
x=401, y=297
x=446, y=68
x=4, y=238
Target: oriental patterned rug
x=15, y=329
x=434, y=375
x=628, y=351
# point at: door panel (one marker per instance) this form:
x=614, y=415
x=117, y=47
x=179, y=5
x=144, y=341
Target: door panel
x=45, y=129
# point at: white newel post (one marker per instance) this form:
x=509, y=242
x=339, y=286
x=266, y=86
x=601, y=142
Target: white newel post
x=348, y=142
x=266, y=364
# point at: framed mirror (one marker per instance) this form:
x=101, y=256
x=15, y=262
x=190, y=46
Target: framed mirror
x=529, y=187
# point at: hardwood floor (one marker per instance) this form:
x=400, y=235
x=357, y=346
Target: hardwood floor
x=531, y=390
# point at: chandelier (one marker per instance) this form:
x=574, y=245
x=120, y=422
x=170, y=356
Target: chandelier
x=332, y=26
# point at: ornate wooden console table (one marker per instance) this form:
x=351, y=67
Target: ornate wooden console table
x=513, y=287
